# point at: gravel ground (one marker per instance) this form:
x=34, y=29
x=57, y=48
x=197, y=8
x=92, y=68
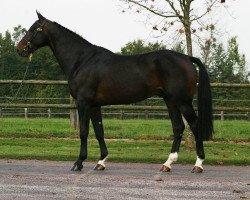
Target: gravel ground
x=30, y=179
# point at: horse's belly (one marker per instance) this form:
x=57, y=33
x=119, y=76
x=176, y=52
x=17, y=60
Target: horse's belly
x=123, y=95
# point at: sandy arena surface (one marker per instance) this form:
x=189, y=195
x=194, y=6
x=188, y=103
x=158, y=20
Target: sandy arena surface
x=31, y=179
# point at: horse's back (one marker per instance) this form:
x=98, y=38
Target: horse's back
x=165, y=72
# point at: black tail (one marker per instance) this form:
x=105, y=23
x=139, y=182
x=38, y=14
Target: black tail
x=205, y=115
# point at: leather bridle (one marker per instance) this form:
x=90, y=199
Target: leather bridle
x=33, y=36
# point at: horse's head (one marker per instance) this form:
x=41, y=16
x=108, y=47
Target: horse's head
x=34, y=38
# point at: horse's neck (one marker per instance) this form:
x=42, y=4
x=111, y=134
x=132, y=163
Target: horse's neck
x=66, y=48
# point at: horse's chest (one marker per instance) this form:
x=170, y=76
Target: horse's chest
x=83, y=89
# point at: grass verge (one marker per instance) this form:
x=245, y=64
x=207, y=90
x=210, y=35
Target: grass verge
x=53, y=139
x=234, y=130
x=120, y=151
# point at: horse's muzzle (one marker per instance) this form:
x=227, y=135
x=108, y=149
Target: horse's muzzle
x=23, y=53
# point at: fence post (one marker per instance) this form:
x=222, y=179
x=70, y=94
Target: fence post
x=122, y=115
x=248, y=116
x=26, y=113
x=49, y=113
x=0, y=112
x=73, y=115
x=222, y=115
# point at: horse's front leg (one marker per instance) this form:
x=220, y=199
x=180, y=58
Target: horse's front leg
x=96, y=118
x=84, y=117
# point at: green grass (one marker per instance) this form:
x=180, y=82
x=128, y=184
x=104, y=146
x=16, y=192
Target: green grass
x=120, y=129
x=232, y=130
x=53, y=139
x=36, y=128
x=120, y=151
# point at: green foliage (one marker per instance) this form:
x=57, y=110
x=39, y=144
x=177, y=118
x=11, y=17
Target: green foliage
x=227, y=65
x=236, y=61
x=19, y=32
x=139, y=47
x=179, y=48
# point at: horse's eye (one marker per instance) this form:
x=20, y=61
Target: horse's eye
x=39, y=29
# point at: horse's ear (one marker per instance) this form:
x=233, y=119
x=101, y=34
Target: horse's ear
x=40, y=17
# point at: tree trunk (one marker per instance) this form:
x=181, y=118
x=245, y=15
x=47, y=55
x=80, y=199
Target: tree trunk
x=189, y=40
x=187, y=25
x=189, y=140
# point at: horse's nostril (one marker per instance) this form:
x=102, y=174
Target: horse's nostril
x=18, y=51
x=22, y=52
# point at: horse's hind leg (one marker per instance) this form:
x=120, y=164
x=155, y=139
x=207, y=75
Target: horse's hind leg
x=178, y=128
x=96, y=118
x=188, y=112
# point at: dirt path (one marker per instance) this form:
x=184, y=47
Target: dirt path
x=52, y=180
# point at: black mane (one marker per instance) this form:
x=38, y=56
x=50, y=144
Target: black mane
x=72, y=33
x=77, y=36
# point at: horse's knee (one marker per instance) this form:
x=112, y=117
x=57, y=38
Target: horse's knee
x=83, y=136
x=178, y=129
x=194, y=126
x=99, y=137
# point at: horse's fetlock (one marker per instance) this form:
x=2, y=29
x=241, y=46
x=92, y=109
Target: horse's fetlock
x=104, y=155
x=82, y=158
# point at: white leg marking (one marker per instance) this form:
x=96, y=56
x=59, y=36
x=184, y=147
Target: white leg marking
x=199, y=162
x=171, y=158
x=101, y=162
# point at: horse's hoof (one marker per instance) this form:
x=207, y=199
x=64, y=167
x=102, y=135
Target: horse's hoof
x=77, y=167
x=99, y=167
x=197, y=170
x=164, y=168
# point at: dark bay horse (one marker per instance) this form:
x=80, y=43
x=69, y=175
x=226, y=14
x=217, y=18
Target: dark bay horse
x=98, y=77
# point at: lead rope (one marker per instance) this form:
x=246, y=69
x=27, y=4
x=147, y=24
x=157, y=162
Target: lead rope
x=24, y=76
x=11, y=101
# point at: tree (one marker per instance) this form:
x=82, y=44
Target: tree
x=237, y=61
x=227, y=65
x=19, y=32
x=206, y=46
x=185, y=15
x=139, y=47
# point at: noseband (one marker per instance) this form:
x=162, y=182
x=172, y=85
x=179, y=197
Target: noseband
x=33, y=36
